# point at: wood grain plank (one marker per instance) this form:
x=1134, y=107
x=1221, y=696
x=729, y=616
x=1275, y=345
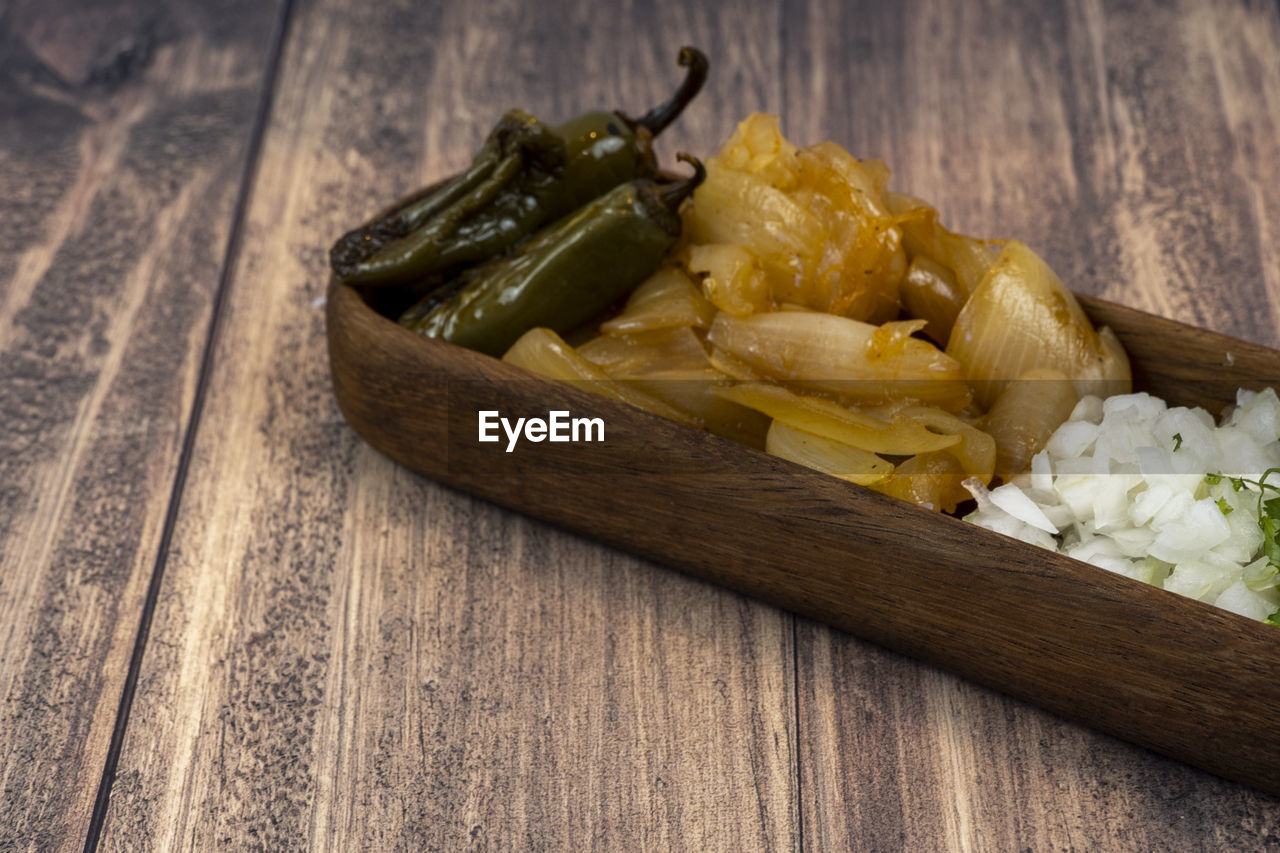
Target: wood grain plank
x=346, y=656
x=123, y=132
x=1134, y=146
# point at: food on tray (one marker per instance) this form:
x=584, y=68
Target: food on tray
x=1122, y=484
x=1020, y=318
x=806, y=310
x=852, y=322
x=795, y=304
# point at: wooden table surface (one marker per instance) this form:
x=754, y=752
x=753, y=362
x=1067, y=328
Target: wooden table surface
x=227, y=623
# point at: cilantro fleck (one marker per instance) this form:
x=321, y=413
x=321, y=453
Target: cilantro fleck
x=1177, y=442
x=1268, y=514
x=1226, y=508
x=1269, y=518
x=1269, y=546
x=1273, y=619
x=1213, y=479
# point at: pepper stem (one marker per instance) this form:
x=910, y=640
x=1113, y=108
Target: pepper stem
x=657, y=119
x=677, y=191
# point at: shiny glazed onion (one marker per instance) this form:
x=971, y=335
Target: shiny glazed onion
x=810, y=312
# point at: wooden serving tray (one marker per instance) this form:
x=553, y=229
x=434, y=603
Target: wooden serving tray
x=1177, y=676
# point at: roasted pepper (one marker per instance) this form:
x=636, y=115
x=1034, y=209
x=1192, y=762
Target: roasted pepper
x=527, y=175
x=567, y=273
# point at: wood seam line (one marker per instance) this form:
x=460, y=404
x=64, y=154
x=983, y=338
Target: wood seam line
x=235, y=238
x=797, y=803
x=798, y=807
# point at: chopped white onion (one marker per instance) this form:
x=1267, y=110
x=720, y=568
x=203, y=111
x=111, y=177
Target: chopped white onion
x=1156, y=493
x=1014, y=501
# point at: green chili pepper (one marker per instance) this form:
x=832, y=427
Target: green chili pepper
x=567, y=273
x=526, y=175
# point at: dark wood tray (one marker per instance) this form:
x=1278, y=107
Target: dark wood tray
x=1177, y=676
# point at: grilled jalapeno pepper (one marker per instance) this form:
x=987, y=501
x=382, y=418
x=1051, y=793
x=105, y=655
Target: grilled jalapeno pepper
x=567, y=273
x=526, y=175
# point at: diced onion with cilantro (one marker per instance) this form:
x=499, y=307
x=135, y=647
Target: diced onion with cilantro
x=1160, y=494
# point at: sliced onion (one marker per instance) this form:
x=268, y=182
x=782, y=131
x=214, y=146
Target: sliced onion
x=930, y=291
x=1025, y=416
x=823, y=454
x=897, y=437
x=968, y=258
x=758, y=147
x=543, y=352
x=892, y=339
x=732, y=366
x=834, y=354
x=666, y=299
x=732, y=278
x=1022, y=317
x=930, y=480
x=694, y=391
x=976, y=451
x=738, y=208
x=645, y=352
x=815, y=218
x=862, y=262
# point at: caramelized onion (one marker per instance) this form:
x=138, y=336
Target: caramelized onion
x=968, y=258
x=645, y=352
x=930, y=291
x=930, y=480
x=975, y=450
x=823, y=454
x=1022, y=317
x=890, y=436
x=1026, y=415
x=836, y=355
x=732, y=278
x=543, y=352
x=667, y=298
